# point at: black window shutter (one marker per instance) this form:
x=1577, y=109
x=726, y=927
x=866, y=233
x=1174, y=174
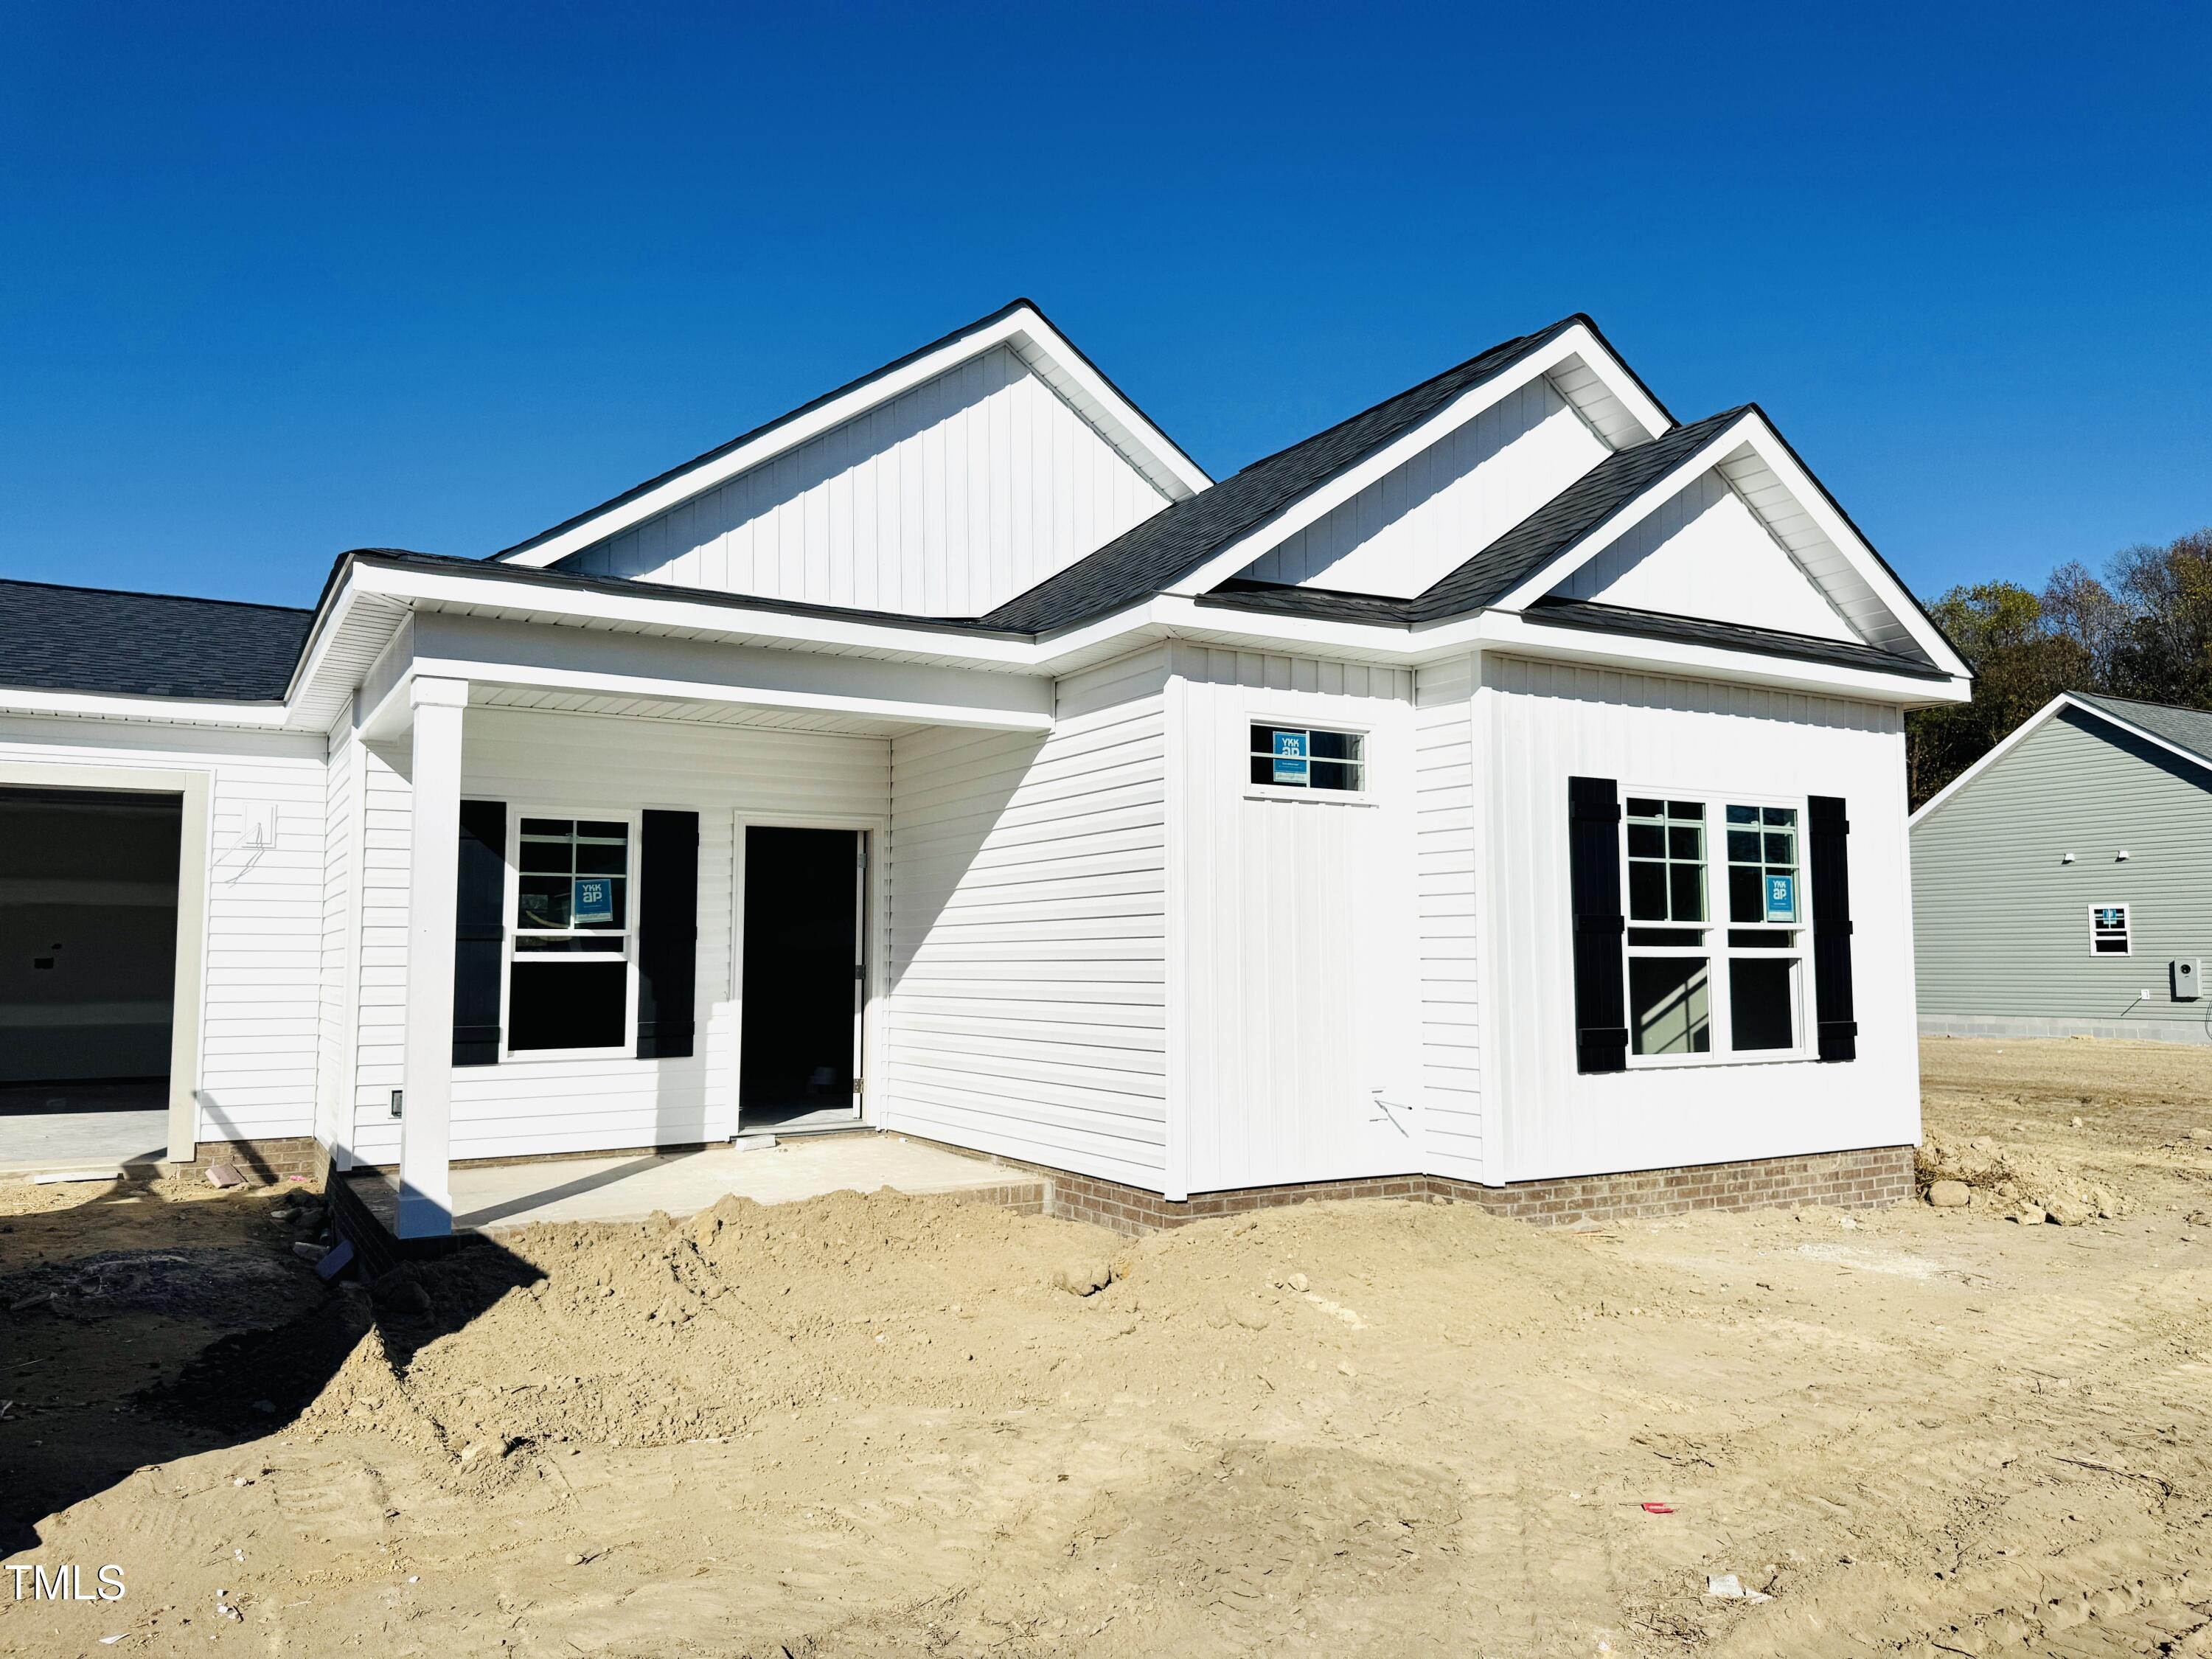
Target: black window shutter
x=479, y=931
x=1830, y=848
x=667, y=935
x=1594, y=880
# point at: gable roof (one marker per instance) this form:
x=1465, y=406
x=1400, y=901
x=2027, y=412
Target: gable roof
x=2180, y=728
x=149, y=645
x=2184, y=732
x=1170, y=471
x=1178, y=539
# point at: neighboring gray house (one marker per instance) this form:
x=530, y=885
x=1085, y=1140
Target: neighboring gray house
x=2062, y=886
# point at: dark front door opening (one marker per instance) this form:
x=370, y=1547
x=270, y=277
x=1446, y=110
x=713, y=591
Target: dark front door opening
x=88, y=970
x=803, y=964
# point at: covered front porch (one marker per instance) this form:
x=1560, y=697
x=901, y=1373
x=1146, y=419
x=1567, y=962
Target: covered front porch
x=618, y=798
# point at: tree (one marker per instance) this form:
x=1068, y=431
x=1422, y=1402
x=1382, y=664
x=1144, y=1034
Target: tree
x=2145, y=631
x=2020, y=661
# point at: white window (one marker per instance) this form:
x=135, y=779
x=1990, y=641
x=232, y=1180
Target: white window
x=1303, y=757
x=2108, y=931
x=1700, y=985
x=571, y=931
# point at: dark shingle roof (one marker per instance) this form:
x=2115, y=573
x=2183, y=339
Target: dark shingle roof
x=147, y=645
x=1518, y=554
x=1564, y=519
x=1737, y=636
x=1175, y=541
x=2184, y=728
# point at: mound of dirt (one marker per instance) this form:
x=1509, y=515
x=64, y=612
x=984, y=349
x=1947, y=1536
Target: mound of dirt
x=663, y=1331
x=2018, y=1178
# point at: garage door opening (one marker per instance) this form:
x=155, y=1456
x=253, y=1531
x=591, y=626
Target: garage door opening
x=805, y=977
x=88, y=974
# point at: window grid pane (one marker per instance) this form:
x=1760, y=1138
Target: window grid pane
x=1762, y=857
x=1666, y=861
x=1297, y=758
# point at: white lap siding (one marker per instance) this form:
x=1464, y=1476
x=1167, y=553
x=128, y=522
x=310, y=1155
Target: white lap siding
x=1029, y=926
x=260, y=1014
x=1296, y=978
x=1543, y=723
x=581, y=762
x=1445, y=842
x=341, y=871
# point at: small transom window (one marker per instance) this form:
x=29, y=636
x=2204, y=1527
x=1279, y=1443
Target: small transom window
x=1300, y=757
x=2108, y=930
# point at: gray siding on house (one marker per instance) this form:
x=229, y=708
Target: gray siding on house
x=2001, y=923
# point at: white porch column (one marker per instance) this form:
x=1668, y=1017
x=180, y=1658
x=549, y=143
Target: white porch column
x=426, y=1202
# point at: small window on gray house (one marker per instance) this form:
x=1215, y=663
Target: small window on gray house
x=1298, y=758
x=2108, y=931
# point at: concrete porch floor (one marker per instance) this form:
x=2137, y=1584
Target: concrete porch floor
x=35, y=1141
x=491, y=1199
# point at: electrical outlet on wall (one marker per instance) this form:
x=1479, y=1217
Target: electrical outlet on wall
x=259, y=823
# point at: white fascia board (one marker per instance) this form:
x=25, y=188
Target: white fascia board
x=599, y=663
x=1023, y=330
x=168, y=711
x=1753, y=432
x=497, y=589
x=2041, y=717
x=1576, y=342
x=1507, y=631
x=1503, y=631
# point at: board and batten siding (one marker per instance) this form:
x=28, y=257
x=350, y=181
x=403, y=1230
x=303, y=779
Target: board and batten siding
x=1295, y=978
x=945, y=501
x=261, y=1010
x=1027, y=1007
x=577, y=763
x=1543, y=723
x=2001, y=922
x=1430, y=515
x=1446, y=848
x=1703, y=552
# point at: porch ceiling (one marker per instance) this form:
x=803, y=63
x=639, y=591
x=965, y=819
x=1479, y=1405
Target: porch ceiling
x=482, y=695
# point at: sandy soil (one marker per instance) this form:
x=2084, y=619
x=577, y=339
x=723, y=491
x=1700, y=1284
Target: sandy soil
x=867, y=1426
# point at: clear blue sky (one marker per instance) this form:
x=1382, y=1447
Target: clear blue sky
x=279, y=281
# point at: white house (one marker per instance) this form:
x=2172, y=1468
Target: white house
x=1499, y=794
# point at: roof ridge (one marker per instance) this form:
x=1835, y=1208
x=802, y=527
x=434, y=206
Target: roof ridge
x=145, y=593
x=1020, y=302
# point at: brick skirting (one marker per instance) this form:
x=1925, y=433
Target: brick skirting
x=263, y=1161
x=1850, y=1181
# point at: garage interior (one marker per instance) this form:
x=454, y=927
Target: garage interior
x=87, y=967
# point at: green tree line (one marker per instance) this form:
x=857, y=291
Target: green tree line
x=2144, y=629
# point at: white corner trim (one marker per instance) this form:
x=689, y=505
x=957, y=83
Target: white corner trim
x=1023, y=330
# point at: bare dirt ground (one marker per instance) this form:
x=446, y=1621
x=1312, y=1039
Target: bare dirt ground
x=877, y=1425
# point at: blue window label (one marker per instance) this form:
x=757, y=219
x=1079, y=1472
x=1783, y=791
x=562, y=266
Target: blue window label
x=593, y=900
x=1781, y=898
x=1289, y=757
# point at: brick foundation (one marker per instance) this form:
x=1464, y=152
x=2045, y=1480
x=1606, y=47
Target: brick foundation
x=263, y=1161
x=1850, y=1181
